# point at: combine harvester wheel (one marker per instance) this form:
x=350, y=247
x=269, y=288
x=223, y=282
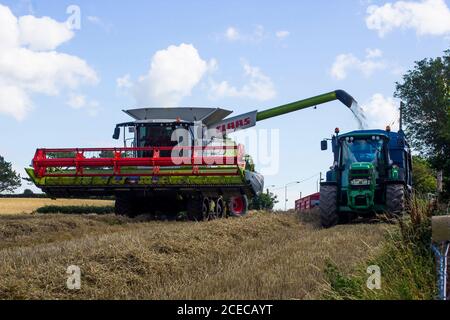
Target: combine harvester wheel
x=238, y=206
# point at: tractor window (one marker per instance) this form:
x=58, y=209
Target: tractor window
x=360, y=150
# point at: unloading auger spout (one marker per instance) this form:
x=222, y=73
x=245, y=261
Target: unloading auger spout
x=249, y=119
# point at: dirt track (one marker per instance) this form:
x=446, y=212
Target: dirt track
x=262, y=256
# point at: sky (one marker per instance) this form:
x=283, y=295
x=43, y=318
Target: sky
x=68, y=68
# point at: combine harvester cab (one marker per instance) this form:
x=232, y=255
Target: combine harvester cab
x=176, y=160
x=371, y=174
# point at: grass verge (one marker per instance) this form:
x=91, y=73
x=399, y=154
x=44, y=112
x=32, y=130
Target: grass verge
x=406, y=262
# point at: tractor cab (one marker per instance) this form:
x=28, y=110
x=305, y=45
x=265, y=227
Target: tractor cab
x=362, y=161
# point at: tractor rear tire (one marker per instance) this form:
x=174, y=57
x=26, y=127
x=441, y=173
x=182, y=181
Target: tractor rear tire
x=395, y=199
x=329, y=216
x=124, y=206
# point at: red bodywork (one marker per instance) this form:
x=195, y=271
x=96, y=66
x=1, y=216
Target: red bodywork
x=308, y=202
x=75, y=161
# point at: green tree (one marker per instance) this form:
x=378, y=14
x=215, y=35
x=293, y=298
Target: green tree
x=9, y=179
x=423, y=175
x=264, y=201
x=425, y=90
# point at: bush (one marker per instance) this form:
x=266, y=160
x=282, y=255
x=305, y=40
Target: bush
x=76, y=209
x=406, y=262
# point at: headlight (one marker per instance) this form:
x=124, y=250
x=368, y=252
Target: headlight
x=360, y=182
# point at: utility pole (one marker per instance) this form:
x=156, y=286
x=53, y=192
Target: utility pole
x=320, y=180
x=285, y=193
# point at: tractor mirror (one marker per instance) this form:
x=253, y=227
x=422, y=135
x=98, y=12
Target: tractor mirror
x=323, y=145
x=116, y=134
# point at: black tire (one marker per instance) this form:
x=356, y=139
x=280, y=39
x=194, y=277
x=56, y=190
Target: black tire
x=395, y=199
x=124, y=206
x=206, y=209
x=194, y=209
x=219, y=208
x=329, y=216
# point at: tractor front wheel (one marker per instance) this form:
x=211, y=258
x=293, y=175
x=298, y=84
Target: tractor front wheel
x=329, y=215
x=395, y=199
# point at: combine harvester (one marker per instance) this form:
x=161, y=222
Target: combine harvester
x=179, y=160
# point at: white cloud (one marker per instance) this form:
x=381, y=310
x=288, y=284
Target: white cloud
x=232, y=34
x=282, y=34
x=258, y=33
x=427, y=17
x=94, y=19
x=124, y=82
x=173, y=73
x=259, y=86
x=43, y=33
x=14, y=101
x=346, y=62
x=381, y=111
x=78, y=101
x=373, y=53
x=99, y=22
x=29, y=64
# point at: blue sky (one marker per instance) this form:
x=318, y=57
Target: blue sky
x=240, y=55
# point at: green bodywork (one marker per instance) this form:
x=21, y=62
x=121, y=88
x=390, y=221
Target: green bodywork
x=151, y=181
x=361, y=196
x=306, y=103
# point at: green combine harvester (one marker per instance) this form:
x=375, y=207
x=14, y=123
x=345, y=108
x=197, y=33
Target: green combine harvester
x=173, y=160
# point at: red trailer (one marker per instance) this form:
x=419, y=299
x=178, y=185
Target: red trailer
x=307, y=202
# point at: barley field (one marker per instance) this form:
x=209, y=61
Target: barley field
x=261, y=256
x=28, y=205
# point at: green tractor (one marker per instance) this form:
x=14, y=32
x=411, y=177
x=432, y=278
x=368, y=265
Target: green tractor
x=371, y=174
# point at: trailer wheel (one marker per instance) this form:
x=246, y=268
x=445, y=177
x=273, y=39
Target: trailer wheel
x=329, y=215
x=395, y=199
x=124, y=206
x=238, y=206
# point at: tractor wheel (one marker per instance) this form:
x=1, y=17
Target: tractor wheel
x=329, y=215
x=124, y=206
x=238, y=206
x=395, y=199
x=220, y=208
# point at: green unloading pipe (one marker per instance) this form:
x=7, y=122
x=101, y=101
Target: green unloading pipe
x=340, y=95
